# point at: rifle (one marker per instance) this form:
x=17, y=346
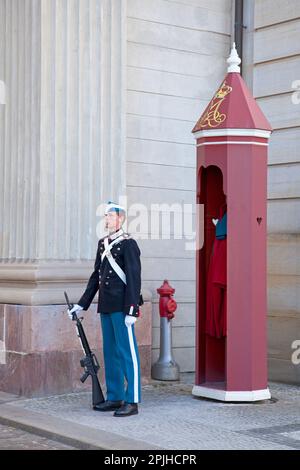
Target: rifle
x=89, y=362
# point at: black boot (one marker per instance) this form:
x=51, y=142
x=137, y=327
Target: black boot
x=108, y=405
x=127, y=409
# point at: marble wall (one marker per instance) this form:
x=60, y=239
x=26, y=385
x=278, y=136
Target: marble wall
x=271, y=69
x=62, y=153
x=176, y=59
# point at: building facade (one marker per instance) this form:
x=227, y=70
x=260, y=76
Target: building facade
x=100, y=100
x=272, y=71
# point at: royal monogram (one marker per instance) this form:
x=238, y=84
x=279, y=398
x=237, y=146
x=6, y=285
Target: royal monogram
x=213, y=117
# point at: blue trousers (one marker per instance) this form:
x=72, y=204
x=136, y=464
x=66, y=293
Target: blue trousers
x=121, y=358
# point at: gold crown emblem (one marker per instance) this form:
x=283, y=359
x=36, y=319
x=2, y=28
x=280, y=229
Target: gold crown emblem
x=223, y=90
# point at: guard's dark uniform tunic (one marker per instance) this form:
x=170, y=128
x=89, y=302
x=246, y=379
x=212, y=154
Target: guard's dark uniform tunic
x=116, y=300
x=114, y=295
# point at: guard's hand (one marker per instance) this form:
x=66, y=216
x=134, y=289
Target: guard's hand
x=129, y=320
x=75, y=309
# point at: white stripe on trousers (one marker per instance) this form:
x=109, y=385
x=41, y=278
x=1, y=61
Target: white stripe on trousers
x=135, y=365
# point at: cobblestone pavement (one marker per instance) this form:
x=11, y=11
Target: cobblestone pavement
x=170, y=417
x=16, y=439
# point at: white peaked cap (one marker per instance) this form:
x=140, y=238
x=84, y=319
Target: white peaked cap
x=111, y=206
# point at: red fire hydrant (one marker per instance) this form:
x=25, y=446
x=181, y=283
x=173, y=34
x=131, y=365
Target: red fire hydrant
x=167, y=305
x=166, y=368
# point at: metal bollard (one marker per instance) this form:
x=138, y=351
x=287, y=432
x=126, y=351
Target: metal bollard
x=166, y=368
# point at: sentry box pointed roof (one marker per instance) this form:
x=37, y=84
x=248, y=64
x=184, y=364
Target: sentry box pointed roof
x=233, y=106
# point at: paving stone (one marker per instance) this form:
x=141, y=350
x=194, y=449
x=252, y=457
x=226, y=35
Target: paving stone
x=172, y=418
x=16, y=439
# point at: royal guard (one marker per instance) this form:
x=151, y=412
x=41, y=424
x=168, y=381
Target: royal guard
x=117, y=276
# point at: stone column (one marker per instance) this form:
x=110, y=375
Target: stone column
x=62, y=144
x=63, y=139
